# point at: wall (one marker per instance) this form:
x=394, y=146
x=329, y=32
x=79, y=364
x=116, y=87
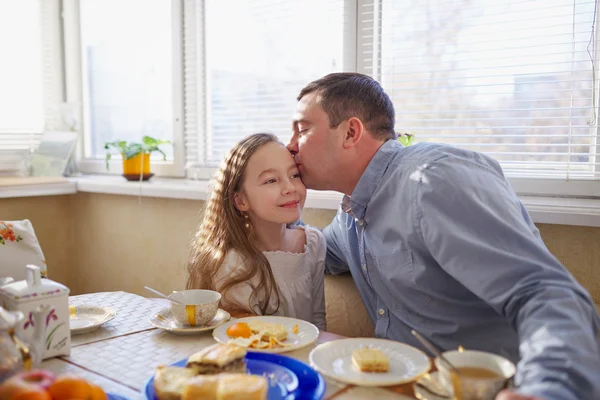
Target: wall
x=98, y=242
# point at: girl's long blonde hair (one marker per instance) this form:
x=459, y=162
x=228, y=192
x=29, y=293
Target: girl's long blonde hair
x=225, y=228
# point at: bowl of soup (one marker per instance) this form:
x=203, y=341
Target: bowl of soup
x=481, y=375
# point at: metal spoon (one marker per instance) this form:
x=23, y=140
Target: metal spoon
x=430, y=346
x=162, y=295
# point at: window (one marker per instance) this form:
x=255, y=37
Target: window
x=129, y=55
x=29, y=78
x=258, y=55
x=513, y=79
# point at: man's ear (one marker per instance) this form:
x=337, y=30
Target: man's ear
x=354, y=132
x=240, y=202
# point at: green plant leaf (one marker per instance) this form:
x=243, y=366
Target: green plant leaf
x=149, y=141
x=132, y=150
x=163, y=153
x=406, y=139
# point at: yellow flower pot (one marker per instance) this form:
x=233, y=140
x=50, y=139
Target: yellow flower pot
x=135, y=165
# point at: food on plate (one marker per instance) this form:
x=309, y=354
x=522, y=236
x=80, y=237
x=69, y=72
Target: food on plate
x=43, y=385
x=226, y=387
x=264, y=335
x=218, y=358
x=370, y=360
x=201, y=387
x=170, y=382
x=240, y=329
x=269, y=330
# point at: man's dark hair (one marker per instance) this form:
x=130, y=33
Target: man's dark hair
x=346, y=94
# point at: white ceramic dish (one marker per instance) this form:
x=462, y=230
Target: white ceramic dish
x=165, y=320
x=334, y=360
x=84, y=318
x=307, y=332
x=427, y=390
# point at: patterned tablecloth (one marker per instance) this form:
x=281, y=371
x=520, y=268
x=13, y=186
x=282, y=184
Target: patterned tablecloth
x=132, y=311
x=123, y=354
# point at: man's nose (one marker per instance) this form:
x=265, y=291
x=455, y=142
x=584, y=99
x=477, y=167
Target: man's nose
x=293, y=145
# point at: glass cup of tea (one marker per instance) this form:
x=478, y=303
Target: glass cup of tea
x=481, y=375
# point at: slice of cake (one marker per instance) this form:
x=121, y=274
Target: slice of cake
x=370, y=360
x=242, y=387
x=218, y=358
x=226, y=387
x=170, y=382
x=201, y=387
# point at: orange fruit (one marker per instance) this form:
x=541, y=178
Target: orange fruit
x=68, y=387
x=241, y=329
x=97, y=393
x=34, y=394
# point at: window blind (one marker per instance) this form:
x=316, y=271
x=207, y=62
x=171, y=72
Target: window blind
x=32, y=82
x=247, y=61
x=513, y=79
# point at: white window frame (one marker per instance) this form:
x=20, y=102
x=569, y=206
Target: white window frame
x=74, y=71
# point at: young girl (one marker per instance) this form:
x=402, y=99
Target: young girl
x=244, y=247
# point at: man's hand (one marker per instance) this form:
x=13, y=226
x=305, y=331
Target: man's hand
x=510, y=395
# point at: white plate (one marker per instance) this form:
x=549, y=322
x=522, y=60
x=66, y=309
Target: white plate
x=164, y=319
x=334, y=360
x=424, y=390
x=307, y=332
x=84, y=318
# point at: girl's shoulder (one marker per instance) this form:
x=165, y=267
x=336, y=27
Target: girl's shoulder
x=231, y=262
x=315, y=241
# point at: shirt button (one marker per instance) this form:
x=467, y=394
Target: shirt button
x=361, y=222
x=364, y=267
x=381, y=311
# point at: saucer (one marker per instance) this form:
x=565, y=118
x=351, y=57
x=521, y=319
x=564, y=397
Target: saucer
x=84, y=318
x=165, y=320
x=425, y=389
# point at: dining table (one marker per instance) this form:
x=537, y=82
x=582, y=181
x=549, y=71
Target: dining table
x=122, y=354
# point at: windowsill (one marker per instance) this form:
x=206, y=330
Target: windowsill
x=36, y=186
x=547, y=210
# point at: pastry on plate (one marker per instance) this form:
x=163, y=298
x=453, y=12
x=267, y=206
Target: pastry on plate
x=170, y=382
x=226, y=387
x=269, y=330
x=218, y=358
x=370, y=360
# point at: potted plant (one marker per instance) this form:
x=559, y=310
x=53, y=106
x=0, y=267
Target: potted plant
x=406, y=139
x=136, y=156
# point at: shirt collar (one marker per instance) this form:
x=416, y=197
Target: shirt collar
x=356, y=204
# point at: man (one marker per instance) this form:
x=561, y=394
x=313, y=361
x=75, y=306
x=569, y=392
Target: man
x=437, y=241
